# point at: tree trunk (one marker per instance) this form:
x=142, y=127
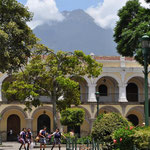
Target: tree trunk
x=54, y=116
x=54, y=108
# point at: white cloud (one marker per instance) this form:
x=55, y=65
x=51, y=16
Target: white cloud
x=105, y=13
x=44, y=11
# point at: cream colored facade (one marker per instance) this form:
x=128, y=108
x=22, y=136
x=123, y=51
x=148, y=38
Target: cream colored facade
x=122, y=90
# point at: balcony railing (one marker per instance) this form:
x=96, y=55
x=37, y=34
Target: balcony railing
x=109, y=97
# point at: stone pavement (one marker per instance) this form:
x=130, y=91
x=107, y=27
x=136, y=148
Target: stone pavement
x=16, y=145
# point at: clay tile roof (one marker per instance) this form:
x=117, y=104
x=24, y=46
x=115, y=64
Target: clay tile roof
x=107, y=57
x=112, y=58
x=104, y=58
x=129, y=58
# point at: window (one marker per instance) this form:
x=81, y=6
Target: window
x=132, y=92
x=102, y=90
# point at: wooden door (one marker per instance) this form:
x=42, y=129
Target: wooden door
x=13, y=127
x=43, y=120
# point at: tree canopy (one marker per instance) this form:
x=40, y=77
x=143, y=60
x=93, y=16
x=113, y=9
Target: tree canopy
x=16, y=38
x=132, y=25
x=50, y=75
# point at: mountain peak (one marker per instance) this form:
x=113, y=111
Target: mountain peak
x=73, y=11
x=77, y=15
x=77, y=31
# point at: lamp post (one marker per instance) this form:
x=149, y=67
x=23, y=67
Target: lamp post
x=97, y=99
x=145, y=41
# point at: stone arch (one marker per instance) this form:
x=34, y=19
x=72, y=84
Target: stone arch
x=134, y=75
x=38, y=112
x=14, y=108
x=136, y=80
x=4, y=76
x=83, y=87
x=46, y=108
x=84, y=77
x=116, y=78
x=112, y=89
x=137, y=111
x=107, y=109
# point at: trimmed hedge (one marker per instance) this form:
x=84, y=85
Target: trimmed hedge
x=105, y=125
x=72, y=117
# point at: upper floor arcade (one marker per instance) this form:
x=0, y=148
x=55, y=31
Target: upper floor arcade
x=122, y=80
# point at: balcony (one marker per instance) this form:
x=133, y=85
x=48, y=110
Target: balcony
x=109, y=97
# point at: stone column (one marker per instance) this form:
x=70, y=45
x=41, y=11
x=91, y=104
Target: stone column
x=29, y=122
x=0, y=91
x=91, y=123
x=122, y=93
x=91, y=93
x=3, y=133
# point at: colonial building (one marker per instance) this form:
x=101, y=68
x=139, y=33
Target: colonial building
x=121, y=87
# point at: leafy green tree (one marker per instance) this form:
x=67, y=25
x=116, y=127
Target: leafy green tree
x=50, y=75
x=132, y=25
x=16, y=38
x=72, y=117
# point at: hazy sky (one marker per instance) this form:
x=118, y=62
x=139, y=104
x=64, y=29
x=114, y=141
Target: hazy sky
x=104, y=12
x=72, y=4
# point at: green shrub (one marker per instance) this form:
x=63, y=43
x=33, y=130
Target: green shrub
x=67, y=135
x=72, y=117
x=123, y=138
x=142, y=138
x=82, y=140
x=105, y=125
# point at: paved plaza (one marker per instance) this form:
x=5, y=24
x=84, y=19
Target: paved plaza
x=16, y=145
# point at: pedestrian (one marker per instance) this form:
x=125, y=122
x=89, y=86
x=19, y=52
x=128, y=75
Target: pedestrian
x=57, y=138
x=10, y=131
x=71, y=133
x=10, y=134
x=23, y=138
x=42, y=135
x=29, y=138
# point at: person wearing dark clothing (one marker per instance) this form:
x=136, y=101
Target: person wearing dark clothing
x=42, y=135
x=29, y=138
x=23, y=138
x=57, y=138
